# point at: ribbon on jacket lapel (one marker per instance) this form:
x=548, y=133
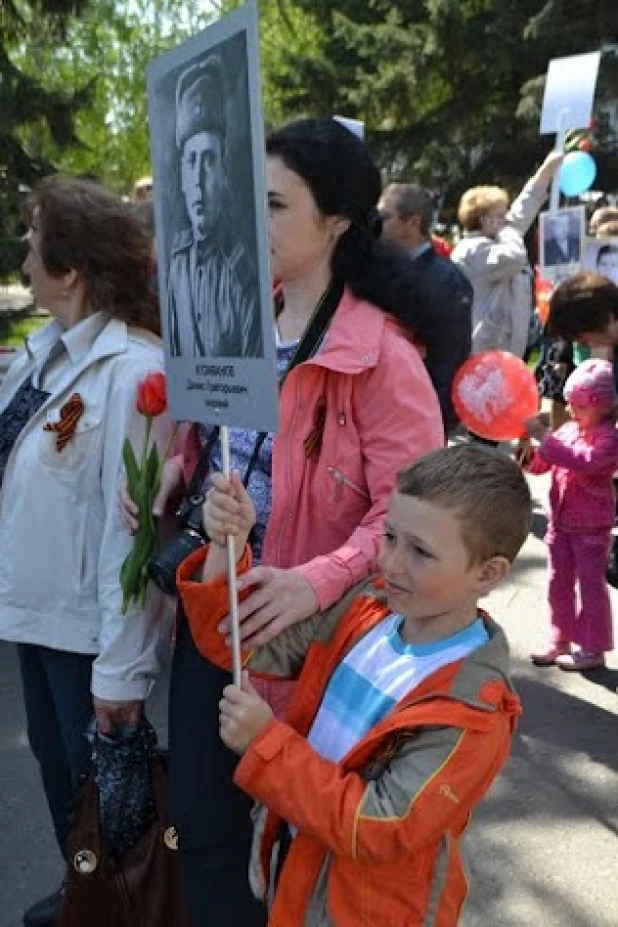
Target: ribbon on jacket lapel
x=70, y=414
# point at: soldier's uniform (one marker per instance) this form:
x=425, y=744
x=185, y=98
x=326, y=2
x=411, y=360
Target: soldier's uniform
x=211, y=300
x=212, y=292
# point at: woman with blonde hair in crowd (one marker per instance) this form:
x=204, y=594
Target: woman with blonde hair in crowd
x=493, y=255
x=66, y=406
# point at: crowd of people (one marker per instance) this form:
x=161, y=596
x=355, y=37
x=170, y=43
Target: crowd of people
x=376, y=706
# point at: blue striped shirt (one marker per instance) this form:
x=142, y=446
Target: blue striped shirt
x=376, y=674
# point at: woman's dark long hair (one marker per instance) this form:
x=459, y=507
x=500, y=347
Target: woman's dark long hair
x=85, y=227
x=345, y=181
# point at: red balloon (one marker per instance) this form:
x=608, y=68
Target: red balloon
x=494, y=393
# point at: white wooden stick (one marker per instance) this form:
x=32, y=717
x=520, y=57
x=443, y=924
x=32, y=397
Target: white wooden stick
x=231, y=567
x=561, y=131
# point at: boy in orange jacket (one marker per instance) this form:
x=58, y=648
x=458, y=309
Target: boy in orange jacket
x=403, y=713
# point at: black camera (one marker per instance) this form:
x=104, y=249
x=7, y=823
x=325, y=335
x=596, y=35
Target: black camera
x=164, y=562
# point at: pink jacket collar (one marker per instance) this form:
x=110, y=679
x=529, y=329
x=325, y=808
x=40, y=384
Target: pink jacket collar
x=352, y=342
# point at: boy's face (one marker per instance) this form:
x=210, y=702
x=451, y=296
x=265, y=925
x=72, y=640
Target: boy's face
x=426, y=565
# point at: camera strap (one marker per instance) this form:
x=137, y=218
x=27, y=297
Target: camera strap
x=307, y=347
x=316, y=329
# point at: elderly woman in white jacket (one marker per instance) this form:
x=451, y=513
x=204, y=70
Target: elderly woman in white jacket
x=493, y=256
x=61, y=538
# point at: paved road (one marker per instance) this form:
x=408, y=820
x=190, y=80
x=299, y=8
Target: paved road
x=542, y=851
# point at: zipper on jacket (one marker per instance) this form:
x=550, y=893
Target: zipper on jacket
x=342, y=480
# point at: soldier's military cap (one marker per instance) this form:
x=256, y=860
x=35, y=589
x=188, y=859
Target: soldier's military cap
x=200, y=100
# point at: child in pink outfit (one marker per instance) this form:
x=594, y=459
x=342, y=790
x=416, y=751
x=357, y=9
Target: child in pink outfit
x=582, y=457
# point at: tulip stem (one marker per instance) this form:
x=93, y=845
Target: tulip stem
x=145, y=444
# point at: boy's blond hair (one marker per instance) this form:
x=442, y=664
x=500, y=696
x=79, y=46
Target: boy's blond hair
x=484, y=488
x=476, y=203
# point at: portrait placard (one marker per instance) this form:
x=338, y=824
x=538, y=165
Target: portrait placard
x=206, y=136
x=570, y=84
x=601, y=257
x=562, y=235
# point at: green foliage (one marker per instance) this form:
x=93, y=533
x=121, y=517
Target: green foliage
x=450, y=90
x=15, y=332
x=73, y=92
x=25, y=101
x=106, y=52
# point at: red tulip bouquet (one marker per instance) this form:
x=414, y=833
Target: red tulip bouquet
x=143, y=480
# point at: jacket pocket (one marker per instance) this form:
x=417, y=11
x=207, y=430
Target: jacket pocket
x=60, y=564
x=343, y=482
x=74, y=455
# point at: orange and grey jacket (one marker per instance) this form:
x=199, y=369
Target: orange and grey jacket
x=377, y=840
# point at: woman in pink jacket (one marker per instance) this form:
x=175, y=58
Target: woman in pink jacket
x=352, y=415
x=582, y=457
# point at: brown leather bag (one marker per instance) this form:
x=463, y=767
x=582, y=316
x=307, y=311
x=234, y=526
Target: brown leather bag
x=143, y=890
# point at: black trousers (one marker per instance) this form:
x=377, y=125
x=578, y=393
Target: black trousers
x=56, y=687
x=211, y=815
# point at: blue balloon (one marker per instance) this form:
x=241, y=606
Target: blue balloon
x=577, y=173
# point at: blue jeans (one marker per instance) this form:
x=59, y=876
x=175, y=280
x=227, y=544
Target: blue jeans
x=58, y=702
x=211, y=814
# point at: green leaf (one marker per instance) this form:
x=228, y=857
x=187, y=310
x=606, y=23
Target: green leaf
x=133, y=576
x=131, y=467
x=142, y=487
x=151, y=474
x=152, y=468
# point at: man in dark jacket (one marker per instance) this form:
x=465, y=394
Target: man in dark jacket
x=407, y=213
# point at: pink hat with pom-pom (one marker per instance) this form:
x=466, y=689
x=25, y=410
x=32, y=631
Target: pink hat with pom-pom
x=592, y=384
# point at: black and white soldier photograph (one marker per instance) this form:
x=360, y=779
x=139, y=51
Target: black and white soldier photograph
x=561, y=237
x=602, y=257
x=212, y=285
x=206, y=134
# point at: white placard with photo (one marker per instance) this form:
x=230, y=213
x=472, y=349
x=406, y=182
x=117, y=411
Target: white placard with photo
x=561, y=242
x=206, y=132
x=570, y=84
